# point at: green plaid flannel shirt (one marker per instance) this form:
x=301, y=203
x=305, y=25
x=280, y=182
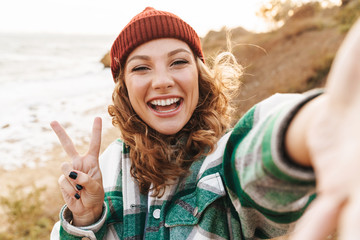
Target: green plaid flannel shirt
x=246, y=189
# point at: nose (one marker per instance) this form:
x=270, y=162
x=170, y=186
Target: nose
x=162, y=80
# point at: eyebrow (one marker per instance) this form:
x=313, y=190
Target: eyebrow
x=177, y=51
x=145, y=57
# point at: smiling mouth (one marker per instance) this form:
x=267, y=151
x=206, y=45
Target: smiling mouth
x=165, y=105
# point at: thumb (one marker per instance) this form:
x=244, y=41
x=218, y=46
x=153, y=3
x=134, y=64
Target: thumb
x=344, y=78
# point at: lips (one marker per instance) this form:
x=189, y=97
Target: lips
x=165, y=105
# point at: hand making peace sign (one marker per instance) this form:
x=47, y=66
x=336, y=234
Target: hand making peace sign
x=81, y=182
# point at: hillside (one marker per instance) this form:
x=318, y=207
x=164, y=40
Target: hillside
x=295, y=58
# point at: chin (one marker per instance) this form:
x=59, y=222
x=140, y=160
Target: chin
x=168, y=133
x=168, y=130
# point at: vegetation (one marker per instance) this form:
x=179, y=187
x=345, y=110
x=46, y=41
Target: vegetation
x=295, y=57
x=26, y=215
x=321, y=70
x=277, y=10
x=282, y=10
x=348, y=15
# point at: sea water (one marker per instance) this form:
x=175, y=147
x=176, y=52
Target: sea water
x=46, y=77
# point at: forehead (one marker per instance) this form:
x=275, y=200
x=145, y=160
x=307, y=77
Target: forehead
x=159, y=46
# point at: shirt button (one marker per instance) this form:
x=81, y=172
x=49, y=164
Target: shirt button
x=156, y=213
x=195, y=212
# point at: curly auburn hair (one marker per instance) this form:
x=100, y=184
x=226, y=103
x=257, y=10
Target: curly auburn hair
x=158, y=160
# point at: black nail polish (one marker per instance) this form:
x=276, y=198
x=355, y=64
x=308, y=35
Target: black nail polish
x=73, y=175
x=79, y=187
x=77, y=196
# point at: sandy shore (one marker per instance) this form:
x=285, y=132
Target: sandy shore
x=45, y=175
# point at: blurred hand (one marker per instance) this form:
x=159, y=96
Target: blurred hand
x=81, y=182
x=333, y=139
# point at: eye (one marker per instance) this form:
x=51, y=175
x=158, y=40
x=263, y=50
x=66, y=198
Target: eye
x=179, y=62
x=139, y=68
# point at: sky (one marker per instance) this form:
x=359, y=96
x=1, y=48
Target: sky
x=110, y=16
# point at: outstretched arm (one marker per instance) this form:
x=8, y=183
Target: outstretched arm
x=325, y=134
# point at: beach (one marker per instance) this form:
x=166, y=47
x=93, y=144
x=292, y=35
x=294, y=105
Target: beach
x=46, y=77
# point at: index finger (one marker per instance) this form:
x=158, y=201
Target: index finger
x=65, y=140
x=95, y=141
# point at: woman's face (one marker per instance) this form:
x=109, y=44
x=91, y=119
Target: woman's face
x=162, y=82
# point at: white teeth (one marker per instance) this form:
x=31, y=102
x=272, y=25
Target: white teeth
x=164, y=102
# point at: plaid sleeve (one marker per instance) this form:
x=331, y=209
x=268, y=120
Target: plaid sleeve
x=260, y=177
x=70, y=232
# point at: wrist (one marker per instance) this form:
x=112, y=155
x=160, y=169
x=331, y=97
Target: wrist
x=296, y=139
x=88, y=218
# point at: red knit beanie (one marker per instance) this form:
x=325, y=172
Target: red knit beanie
x=148, y=25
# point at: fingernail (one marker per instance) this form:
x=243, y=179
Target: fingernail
x=73, y=175
x=79, y=187
x=77, y=196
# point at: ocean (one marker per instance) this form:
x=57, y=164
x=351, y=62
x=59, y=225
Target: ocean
x=46, y=77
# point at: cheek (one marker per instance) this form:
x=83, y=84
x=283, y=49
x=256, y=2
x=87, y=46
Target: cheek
x=136, y=91
x=189, y=79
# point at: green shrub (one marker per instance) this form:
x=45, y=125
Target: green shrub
x=25, y=214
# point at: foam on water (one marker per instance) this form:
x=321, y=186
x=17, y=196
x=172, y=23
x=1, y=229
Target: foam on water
x=41, y=84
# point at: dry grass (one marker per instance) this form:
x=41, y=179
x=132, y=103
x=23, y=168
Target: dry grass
x=348, y=15
x=26, y=213
x=30, y=204
x=294, y=58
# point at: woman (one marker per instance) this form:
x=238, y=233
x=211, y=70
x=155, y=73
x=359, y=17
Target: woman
x=179, y=172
